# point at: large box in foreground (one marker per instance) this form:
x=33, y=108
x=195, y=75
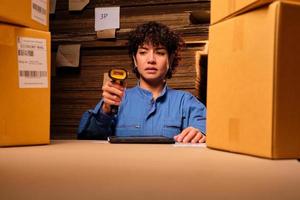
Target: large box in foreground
x=253, y=83
x=24, y=86
x=223, y=9
x=29, y=13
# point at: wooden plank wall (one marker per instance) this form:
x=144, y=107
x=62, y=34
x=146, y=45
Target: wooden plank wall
x=77, y=90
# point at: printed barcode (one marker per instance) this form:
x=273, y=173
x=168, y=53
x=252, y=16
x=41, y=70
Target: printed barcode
x=33, y=74
x=22, y=52
x=39, y=8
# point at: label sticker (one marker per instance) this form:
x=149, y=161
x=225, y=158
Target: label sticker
x=39, y=11
x=107, y=18
x=32, y=61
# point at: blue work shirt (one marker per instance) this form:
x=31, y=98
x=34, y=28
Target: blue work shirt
x=140, y=115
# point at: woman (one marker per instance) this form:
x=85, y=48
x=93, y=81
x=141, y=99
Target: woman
x=150, y=108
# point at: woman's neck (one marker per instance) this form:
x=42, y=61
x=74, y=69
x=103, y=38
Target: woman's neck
x=154, y=88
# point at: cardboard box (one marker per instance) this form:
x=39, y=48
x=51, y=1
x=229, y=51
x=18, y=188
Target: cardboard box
x=253, y=82
x=223, y=9
x=29, y=13
x=24, y=86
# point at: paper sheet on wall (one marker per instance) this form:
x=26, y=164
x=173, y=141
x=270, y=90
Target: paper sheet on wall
x=77, y=5
x=106, y=34
x=68, y=55
x=107, y=18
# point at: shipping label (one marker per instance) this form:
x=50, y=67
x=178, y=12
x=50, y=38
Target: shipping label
x=32, y=62
x=39, y=11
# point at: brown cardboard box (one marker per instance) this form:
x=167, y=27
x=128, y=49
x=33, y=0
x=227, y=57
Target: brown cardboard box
x=29, y=13
x=253, y=82
x=24, y=86
x=221, y=9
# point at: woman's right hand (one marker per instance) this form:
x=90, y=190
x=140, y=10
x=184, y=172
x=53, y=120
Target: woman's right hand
x=112, y=95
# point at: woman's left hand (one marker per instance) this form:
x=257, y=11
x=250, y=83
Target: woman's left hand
x=190, y=134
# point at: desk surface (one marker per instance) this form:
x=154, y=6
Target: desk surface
x=98, y=170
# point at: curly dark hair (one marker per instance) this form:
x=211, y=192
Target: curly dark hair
x=156, y=34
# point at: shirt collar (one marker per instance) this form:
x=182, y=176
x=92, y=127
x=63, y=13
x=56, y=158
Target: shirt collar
x=148, y=94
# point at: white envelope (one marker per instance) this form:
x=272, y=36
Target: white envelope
x=106, y=34
x=68, y=55
x=77, y=5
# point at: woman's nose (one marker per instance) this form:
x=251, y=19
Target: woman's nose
x=151, y=57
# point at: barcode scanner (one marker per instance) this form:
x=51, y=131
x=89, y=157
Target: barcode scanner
x=119, y=76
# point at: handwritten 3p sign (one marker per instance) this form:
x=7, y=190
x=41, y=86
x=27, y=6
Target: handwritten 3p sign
x=107, y=18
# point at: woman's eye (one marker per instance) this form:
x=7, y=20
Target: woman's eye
x=142, y=52
x=161, y=53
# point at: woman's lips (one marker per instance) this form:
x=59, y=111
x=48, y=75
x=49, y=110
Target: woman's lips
x=151, y=70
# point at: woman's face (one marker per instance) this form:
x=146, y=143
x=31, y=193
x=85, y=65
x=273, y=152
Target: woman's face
x=152, y=63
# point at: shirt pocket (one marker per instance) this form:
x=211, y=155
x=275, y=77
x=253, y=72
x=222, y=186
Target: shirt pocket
x=171, y=127
x=130, y=127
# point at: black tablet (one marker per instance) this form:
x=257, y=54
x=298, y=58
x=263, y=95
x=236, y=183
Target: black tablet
x=141, y=139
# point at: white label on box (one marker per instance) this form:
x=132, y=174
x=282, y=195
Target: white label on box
x=107, y=18
x=32, y=61
x=39, y=11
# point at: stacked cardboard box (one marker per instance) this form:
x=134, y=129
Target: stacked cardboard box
x=253, y=78
x=24, y=73
x=221, y=10
x=28, y=13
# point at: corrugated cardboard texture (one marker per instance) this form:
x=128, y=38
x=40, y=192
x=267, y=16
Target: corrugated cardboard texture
x=20, y=13
x=249, y=101
x=24, y=112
